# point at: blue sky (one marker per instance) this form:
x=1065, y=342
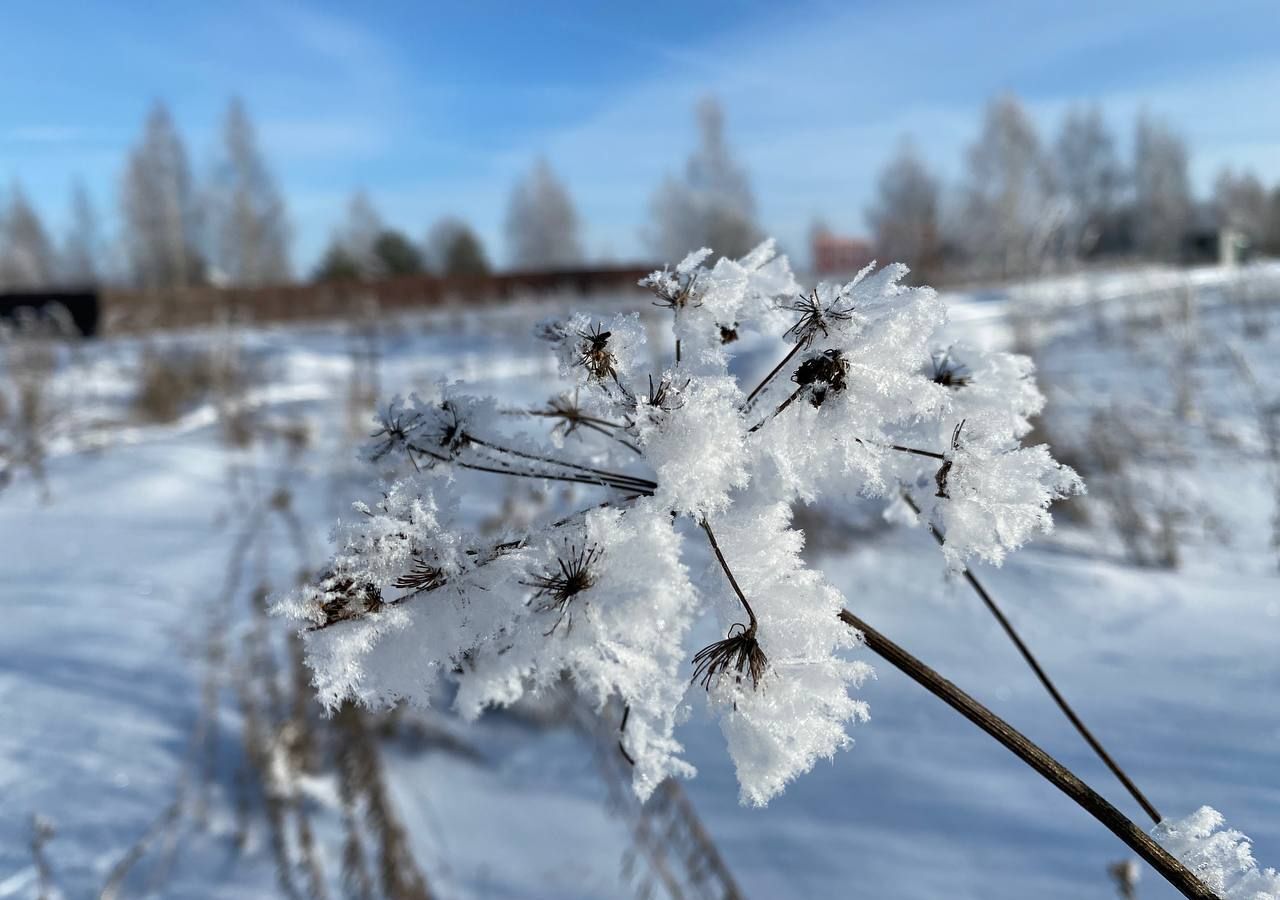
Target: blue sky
x=437, y=108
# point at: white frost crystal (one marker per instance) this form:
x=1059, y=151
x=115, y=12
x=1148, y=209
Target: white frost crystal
x=1221, y=857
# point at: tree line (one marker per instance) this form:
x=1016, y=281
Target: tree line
x=1026, y=204
x=231, y=227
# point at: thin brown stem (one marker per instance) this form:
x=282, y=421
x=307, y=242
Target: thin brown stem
x=742, y=598
x=1046, y=681
x=746, y=404
x=497, y=469
x=777, y=412
x=1045, y=765
x=617, y=477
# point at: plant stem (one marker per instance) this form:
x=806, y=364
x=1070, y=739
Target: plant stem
x=746, y=404
x=742, y=598
x=618, y=477
x=1047, y=682
x=1045, y=765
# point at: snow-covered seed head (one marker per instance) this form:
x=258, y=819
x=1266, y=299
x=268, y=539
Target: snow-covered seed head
x=948, y=371
x=739, y=651
x=343, y=597
x=728, y=333
x=594, y=354
x=823, y=373
x=664, y=395
x=674, y=291
x=395, y=424
x=421, y=577
x=567, y=411
x=816, y=317
x=558, y=586
x=944, y=471
x=446, y=432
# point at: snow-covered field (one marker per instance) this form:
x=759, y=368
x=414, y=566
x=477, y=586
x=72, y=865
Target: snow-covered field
x=110, y=584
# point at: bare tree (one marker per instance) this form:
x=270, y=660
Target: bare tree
x=904, y=215
x=542, y=225
x=26, y=255
x=160, y=213
x=249, y=228
x=712, y=205
x=1241, y=203
x=1089, y=176
x=360, y=233
x=1008, y=217
x=81, y=262
x=1162, y=191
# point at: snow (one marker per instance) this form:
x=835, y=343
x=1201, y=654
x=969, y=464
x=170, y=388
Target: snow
x=107, y=587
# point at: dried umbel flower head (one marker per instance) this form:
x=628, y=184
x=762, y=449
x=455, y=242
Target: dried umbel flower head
x=421, y=577
x=660, y=453
x=342, y=597
x=817, y=315
x=948, y=371
x=395, y=425
x=728, y=333
x=740, y=651
x=822, y=373
x=556, y=587
x=595, y=356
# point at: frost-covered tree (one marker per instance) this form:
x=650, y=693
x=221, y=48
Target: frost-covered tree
x=453, y=248
x=711, y=205
x=1241, y=203
x=1008, y=221
x=248, y=223
x=904, y=216
x=27, y=258
x=161, y=216
x=81, y=258
x=542, y=225
x=1162, y=190
x=1089, y=175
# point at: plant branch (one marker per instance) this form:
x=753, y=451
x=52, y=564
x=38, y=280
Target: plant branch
x=1046, y=681
x=1045, y=765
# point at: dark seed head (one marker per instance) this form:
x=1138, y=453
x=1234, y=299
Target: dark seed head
x=739, y=651
x=594, y=354
x=342, y=598
x=949, y=372
x=816, y=317
x=823, y=373
x=556, y=587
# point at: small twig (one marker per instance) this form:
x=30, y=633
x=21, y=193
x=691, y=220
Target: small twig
x=1046, y=681
x=1049, y=768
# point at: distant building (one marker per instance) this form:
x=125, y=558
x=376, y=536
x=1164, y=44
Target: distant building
x=833, y=254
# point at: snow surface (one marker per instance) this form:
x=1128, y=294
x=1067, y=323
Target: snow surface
x=105, y=587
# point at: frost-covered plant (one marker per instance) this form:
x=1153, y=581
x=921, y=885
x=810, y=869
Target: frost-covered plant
x=685, y=460
x=1222, y=857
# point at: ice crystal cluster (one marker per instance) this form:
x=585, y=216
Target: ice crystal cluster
x=1219, y=856
x=687, y=464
